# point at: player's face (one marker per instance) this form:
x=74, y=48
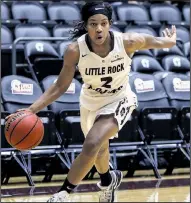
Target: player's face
x=98, y=28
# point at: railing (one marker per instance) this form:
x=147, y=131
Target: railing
x=25, y=39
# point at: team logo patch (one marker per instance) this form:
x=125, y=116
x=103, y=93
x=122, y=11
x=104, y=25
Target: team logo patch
x=181, y=86
x=144, y=86
x=17, y=87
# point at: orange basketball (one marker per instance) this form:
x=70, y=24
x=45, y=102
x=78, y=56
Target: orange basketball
x=24, y=130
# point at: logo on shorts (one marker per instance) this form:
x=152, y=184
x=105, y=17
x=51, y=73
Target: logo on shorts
x=122, y=112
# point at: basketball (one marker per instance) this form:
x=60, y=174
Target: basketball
x=24, y=130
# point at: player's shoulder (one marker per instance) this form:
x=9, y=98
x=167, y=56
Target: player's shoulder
x=72, y=52
x=73, y=47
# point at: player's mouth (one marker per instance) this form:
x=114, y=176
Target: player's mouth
x=99, y=38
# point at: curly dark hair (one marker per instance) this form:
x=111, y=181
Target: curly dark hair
x=79, y=28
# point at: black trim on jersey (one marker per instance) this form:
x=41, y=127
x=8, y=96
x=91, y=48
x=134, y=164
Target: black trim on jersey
x=89, y=44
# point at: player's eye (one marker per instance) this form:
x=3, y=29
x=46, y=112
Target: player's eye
x=93, y=24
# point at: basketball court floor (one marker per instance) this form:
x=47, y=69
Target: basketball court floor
x=144, y=187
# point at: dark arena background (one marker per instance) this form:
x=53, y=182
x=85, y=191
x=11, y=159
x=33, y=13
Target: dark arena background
x=153, y=148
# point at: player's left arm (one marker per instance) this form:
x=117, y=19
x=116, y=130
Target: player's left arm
x=139, y=41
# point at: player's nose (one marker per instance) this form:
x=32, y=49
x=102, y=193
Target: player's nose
x=99, y=29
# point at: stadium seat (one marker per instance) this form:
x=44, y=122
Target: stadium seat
x=116, y=22
x=188, y=73
x=128, y=13
x=67, y=110
x=62, y=47
x=183, y=34
x=62, y=30
x=145, y=64
x=177, y=87
x=114, y=16
x=28, y=30
x=69, y=100
x=146, y=52
x=5, y=13
x=154, y=108
x=6, y=16
x=43, y=59
x=6, y=42
x=187, y=50
x=116, y=4
x=6, y=51
x=161, y=53
x=175, y=63
x=31, y=12
x=64, y=12
x=155, y=111
x=160, y=75
x=20, y=92
x=166, y=13
x=149, y=91
x=6, y=36
x=186, y=12
x=28, y=11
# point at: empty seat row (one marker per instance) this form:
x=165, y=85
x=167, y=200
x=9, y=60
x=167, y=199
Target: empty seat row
x=70, y=12
x=161, y=103
x=20, y=92
x=41, y=55
x=28, y=30
x=170, y=63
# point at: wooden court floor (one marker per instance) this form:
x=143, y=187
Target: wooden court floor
x=144, y=187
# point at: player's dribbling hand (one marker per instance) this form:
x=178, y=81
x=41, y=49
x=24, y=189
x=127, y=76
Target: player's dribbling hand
x=170, y=34
x=24, y=109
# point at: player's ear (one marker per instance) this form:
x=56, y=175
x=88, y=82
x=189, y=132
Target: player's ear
x=111, y=22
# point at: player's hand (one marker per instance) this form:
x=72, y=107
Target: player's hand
x=170, y=34
x=24, y=109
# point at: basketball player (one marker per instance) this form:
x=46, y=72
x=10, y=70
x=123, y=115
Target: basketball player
x=106, y=101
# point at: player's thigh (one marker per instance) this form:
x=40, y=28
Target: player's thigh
x=102, y=130
x=84, y=113
x=87, y=119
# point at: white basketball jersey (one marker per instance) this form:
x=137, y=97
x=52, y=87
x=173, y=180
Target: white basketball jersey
x=106, y=80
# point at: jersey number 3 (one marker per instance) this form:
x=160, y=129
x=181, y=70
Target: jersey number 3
x=107, y=80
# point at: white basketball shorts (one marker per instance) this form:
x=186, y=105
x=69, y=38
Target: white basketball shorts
x=120, y=109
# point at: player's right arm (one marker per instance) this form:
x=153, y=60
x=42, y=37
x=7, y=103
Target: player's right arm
x=71, y=57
